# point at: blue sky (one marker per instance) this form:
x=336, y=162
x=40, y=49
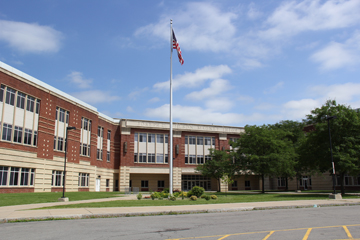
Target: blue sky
x=246, y=62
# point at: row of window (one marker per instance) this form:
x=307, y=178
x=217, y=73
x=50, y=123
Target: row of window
x=21, y=99
x=235, y=184
x=150, y=158
x=99, y=155
x=199, y=140
x=101, y=133
x=58, y=178
x=150, y=137
x=196, y=159
x=27, y=136
x=16, y=176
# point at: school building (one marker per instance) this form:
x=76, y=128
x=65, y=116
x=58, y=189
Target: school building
x=105, y=153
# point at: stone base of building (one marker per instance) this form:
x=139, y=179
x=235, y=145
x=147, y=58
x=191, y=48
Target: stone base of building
x=336, y=196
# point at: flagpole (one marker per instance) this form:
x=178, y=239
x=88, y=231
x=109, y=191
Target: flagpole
x=171, y=123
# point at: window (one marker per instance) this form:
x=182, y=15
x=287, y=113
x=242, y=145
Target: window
x=192, y=140
x=281, y=182
x=234, y=184
x=142, y=157
x=14, y=176
x=207, y=158
x=7, y=128
x=107, y=183
x=191, y=159
x=84, y=123
x=200, y=159
x=247, y=184
x=166, y=158
x=2, y=93
x=144, y=183
x=100, y=132
x=159, y=138
x=3, y=175
x=135, y=157
x=213, y=141
x=109, y=135
x=20, y=103
x=151, y=138
x=35, y=138
x=85, y=149
x=30, y=104
x=161, y=184
x=57, y=178
x=32, y=177
x=208, y=141
x=83, y=179
x=27, y=136
x=108, y=156
x=24, y=180
x=166, y=138
x=151, y=157
x=200, y=141
x=17, y=134
x=142, y=137
x=38, y=110
x=60, y=144
x=135, y=137
x=159, y=158
x=10, y=96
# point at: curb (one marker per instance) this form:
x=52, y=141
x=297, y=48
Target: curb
x=156, y=213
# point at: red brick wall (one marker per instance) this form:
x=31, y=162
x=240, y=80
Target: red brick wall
x=83, y=189
x=16, y=190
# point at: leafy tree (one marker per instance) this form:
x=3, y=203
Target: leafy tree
x=345, y=136
x=266, y=151
x=296, y=134
x=219, y=166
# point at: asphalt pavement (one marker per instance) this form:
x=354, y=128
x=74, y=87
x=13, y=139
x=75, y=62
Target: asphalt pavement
x=31, y=212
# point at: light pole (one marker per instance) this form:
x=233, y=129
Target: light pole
x=328, y=118
x=66, y=134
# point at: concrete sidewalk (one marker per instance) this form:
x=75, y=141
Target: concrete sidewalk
x=24, y=212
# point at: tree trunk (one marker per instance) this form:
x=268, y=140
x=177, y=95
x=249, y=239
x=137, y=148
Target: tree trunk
x=263, y=184
x=219, y=185
x=286, y=184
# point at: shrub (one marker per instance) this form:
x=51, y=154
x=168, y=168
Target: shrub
x=160, y=198
x=193, y=198
x=176, y=190
x=166, y=190
x=214, y=197
x=207, y=197
x=197, y=191
x=153, y=196
x=203, y=196
x=139, y=196
x=164, y=195
x=173, y=198
x=176, y=194
x=189, y=194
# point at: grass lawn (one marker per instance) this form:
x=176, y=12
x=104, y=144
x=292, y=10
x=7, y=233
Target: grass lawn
x=222, y=198
x=9, y=199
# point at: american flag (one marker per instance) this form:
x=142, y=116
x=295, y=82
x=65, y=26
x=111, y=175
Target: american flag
x=177, y=47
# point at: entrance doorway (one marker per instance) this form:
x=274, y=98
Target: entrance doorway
x=190, y=181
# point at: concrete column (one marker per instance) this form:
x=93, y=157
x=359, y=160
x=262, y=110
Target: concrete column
x=224, y=187
x=124, y=178
x=177, y=178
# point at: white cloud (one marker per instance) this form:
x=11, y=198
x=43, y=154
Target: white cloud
x=130, y=109
x=219, y=104
x=245, y=99
x=273, y=89
x=30, y=37
x=293, y=17
x=135, y=94
x=345, y=93
x=206, y=116
x=77, y=79
x=154, y=100
x=253, y=13
x=217, y=87
x=199, y=26
x=265, y=106
x=195, y=79
x=299, y=109
x=95, y=96
x=337, y=55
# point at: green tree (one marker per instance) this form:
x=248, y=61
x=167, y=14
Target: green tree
x=345, y=136
x=219, y=166
x=296, y=134
x=266, y=151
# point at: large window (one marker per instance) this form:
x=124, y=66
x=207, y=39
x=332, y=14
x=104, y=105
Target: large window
x=27, y=136
x=3, y=175
x=281, y=181
x=144, y=183
x=150, y=148
x=20, y=103
x=85, y=137
x=61, y=123
x=10, y=96
x=83, y=179
x=30, y=104
x=57, y=178
x=197, y=149
x=16, y=176
x=17, y=134
x=7, y=128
